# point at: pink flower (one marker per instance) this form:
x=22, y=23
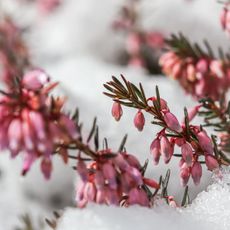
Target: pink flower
x=139, y=120
x=32, y=125
x=187, y=153
x=193, y=112
x=205, y=142
x=155, y=150
x=172, y=122
x=211, y=162
x=184, y=174
x=117, y=111
x=35, y=79
x=166, y=149
x=196, y=172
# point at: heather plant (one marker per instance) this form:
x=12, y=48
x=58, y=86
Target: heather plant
x=142, y=47
x=117, y=177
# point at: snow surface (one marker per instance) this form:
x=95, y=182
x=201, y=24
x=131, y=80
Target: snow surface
x=77, y=47
x=210, y=210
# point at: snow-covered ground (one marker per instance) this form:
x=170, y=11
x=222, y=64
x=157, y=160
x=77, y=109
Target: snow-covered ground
x=77, y=47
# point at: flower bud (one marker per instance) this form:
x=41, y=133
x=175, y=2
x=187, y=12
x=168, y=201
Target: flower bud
x=205, y=142
x=187, y=153
x=184, y=174
x=46, y=167
x=82, y=170
x=202, y=66
x=151, y=183
x=193, y=112
x=172, y=122
x=166, y=149
x=139, y=120
x=211, y=162
x=35, y=79
x=155, y=150
x=216, y=67
x=191, y=72
x=117, y=111
x=196, y=172
x=110, y=174
x=90, y=191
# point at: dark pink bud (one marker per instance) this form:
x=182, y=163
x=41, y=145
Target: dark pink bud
x=196, y=172
x=187, y=153
x=46, y=167
x=35, y=80
x=117, y=111
x=184, y=175
x=139, y=120
x=155, y=150
x=166, y=149
x=172, y=122
x=27, y=162
x=205, y=142
x=211, y=162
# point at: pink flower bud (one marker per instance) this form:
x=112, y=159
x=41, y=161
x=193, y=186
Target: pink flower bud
x=90, y=191
x=99, y=180
x=139, y=120
x=27, y=162
x=216, y=67
x=28, y=135
x=155, y=150
x=191, y=72
x=184, y=175
x=172, y=122
x=196, y=172
x=205, y=142
x=133, y=196
x=211, y=162
x=202, y=66
x=38, y=124
x=110, y=174
x=69, y=126
x=176, y=70
x=136, y=175
x=100, y=197
x=172, y=202
x=166, y=149
x=133, y=43
x=46, y=167
x=120, y=162
x=35, y=79
x=15, y=135
x=117, y=111
x=143, y=198
x=193, y=112
x=187, y=153
x=151, y=183
x=223, y=17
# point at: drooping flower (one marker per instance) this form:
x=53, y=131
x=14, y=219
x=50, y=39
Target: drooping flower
x=32, y=122
x=139, y=120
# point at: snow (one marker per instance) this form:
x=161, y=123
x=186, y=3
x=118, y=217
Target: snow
x=78, y=48
x=210, y=210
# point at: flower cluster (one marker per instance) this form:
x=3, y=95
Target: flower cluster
x=32, y=123
x=143, y=48
x=199, y=77
x=193, y=141
x=225, y=18
x=14, y=57
x=113, y=180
